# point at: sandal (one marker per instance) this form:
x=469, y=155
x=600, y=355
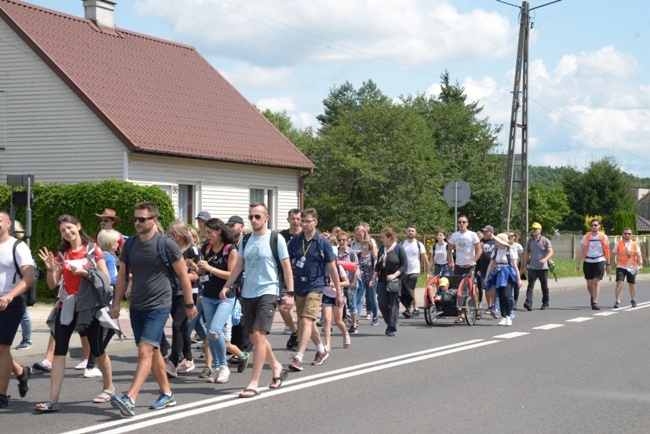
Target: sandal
x=459, y=320
x=104, y=396
x=249, y=393
x=48, y=406
x=279, y=380
x=346, y=341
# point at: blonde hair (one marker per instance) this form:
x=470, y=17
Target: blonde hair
x=106, y=238
x=180, y=228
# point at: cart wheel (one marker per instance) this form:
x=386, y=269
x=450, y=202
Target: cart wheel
x=431, y=314
x=470, y=311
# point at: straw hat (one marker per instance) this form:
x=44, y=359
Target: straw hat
x=502, y=239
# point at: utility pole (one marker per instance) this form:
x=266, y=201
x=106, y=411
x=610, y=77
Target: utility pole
x=520, y=81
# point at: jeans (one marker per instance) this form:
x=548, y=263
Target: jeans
x=438, y=269
x=371, y=299
x=148, y=325
x=217, y=312
x=26, y=326
x=359, y=297
x=198, y=323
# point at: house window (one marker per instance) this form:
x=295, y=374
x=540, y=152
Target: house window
x=187, y=202
x=268, y=196
x=3, y=119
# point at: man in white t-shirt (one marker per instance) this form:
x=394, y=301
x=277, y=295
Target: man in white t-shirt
x=467, y=247
x=12, y=305
x=595, y=253
x=415, y=253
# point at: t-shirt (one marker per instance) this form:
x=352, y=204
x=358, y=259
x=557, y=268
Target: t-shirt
x=413, y=251
x=464, y=245
x=349, y=255
x=287, y=235
x=484, y=261
x=111, y=265
x=260, y=267
x=8, y=276
x=439, y=254
x=78, y=259
x=595, y=251
x=501, y=255
x=151, y=287
x=356, y=246
x=308, y=264
x=219, y=260
x=192, y=253
x=536, y=252
x=367, y=267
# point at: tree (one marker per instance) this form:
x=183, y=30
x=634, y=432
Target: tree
x=547, y=206
x=602, y=189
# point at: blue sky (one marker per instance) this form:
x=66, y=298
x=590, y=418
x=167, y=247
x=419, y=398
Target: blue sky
x=589, y=60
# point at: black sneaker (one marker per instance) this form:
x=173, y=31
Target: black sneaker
x=528, y=306
x=293, y=341
x=406, y=314
x=243, y=362
x=4, y=401
x=595, y=306
x=23, y=381
x=416, y=312
x=544, y=306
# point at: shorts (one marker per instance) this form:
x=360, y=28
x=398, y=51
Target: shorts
x=330, y=301
x=622, y=274
x=593, y=270
x=308, y=306
x=148, y=325
x=411, y=280
x=10, y=320
x=227, y=329
x=258, y=312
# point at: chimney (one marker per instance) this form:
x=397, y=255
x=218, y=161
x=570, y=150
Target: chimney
x=100, y=12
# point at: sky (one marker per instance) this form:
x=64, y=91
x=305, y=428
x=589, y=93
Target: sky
x=589, y=73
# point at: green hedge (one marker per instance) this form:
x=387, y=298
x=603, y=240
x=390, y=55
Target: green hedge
x=83, y=201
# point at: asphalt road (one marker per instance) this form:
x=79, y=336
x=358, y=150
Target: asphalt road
x=567, y=369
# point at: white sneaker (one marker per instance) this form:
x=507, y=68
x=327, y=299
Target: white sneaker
x=503, y=322
x=287, y=330
x=171, y=369
x=82, y=365
x=92, y=373
x=508, y=321
x=223, y=375
x=185, y=366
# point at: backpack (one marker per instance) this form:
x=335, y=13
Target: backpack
x=174, y=280
x=419, y=247
x=30, y=294
x=544, y=243
x=273, y=239
x=319, y=243
x=508, y=256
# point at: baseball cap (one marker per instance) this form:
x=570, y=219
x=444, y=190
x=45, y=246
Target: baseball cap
x=536, y=226
x=235, y=219
x=488, y=228
x=443, y=281
x=203, y=215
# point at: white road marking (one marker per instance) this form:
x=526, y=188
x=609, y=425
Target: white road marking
x=548, y=327
x=288, y=386
x=638, y=306
x=511, y=335
x=607, y=313
x=580, y=319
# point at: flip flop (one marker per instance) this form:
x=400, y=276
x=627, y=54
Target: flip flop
x=249, y=393
x=281, y=378
x=47, y=407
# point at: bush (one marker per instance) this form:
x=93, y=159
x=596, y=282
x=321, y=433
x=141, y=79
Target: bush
x=83, y=201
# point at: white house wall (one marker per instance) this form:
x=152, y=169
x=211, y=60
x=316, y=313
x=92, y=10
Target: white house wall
x=223, y=187
x=50, y=132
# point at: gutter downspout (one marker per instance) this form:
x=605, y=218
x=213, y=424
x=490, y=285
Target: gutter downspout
x=301, y=193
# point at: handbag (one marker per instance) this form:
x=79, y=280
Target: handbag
x=394, y=286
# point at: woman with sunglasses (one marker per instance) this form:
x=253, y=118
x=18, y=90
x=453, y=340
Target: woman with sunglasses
x=219, y=257
x=180, y=358
x=73, y=263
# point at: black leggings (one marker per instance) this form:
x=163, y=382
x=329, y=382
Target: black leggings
x=181, y=342
x=108, y=335
x=63, y=333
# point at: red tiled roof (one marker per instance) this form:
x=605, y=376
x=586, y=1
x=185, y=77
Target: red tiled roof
x=157, y=96
x=642, y=225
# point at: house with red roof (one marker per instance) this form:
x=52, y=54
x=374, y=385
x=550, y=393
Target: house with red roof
x=84, y=100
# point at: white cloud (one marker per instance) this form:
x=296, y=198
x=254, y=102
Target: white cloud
x=245, y=74
x=299, y=118
x=411, y=32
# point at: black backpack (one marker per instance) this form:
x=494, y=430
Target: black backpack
x=274, y=249
x=30, y=295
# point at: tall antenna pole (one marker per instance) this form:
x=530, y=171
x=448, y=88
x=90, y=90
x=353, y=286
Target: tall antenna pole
x=521, y=77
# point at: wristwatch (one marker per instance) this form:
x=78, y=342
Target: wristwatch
x=189, y=305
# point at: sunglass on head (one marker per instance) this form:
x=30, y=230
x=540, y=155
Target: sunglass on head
x=142, y=219
x=255, y=216
x=106, y=220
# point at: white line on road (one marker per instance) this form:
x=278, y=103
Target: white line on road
x=288, y=386
x=548, y=327
x=579, y=319
x=608, y=313
x=632, y=309
x=511, y=335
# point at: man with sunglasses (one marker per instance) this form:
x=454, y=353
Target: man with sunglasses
x=151, y=301
x=595, y=253
x=467, y=247
x=535, y=264
x=107, y=220
x=627, y=266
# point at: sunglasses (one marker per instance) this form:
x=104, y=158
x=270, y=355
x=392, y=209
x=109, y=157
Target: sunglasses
x=254, y=217
x=108, y=220
x=460, y=222
x=627, y=233
x=172, y=234
x=142, y=219
x=342, y=239
x=595, y=225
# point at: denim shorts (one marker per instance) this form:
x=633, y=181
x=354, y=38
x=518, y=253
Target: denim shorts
x=10, y=320
x=148, y=325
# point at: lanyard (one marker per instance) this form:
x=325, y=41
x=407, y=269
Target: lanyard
x=304, y=251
